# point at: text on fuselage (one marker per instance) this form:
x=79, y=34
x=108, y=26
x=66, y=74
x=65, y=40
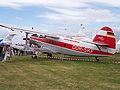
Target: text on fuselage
x=82, y=49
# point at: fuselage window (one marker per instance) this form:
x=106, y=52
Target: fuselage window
x=41, y=36
x=65, y=45
x=35, y=35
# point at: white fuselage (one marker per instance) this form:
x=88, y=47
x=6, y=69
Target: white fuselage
x=69, y=46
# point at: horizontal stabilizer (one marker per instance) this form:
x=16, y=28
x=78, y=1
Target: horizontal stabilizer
x=101, y=44
x=98, y=43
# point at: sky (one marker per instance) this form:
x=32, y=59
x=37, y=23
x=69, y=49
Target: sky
x=61, y=16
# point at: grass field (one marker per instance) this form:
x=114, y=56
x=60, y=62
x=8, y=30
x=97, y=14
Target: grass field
x=24, y=73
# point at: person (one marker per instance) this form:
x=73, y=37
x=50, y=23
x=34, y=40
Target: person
x=49, y=55
x=1, y=52
x=6, y=53
x=12, y=52
x=21, y=52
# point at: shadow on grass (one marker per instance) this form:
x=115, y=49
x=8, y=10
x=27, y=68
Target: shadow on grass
x=103, y=60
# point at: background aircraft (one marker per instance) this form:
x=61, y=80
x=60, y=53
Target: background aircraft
x=104, y=43
x=8, y=39
x=1, y=42
x=118, y=47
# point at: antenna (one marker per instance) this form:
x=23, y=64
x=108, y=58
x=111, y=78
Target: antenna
x=65, y=32
x=82, y=27
x=81, y=30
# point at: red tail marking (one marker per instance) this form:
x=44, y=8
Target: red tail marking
x=109, y=38
x=107, y=29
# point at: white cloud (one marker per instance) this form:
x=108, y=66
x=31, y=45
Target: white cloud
x=55, y=3
x=114, y=3
x=68, y=10
x=80, y=15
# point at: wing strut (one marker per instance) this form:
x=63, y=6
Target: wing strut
x=98, y=47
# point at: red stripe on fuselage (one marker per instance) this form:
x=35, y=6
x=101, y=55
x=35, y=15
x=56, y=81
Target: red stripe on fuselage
x=70, y=46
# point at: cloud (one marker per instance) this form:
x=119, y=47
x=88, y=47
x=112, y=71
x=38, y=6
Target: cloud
x=75, y=15
x=55, y=3
x=113, y=3
x=69, y=11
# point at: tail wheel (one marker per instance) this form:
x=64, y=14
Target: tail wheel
x=97, y=59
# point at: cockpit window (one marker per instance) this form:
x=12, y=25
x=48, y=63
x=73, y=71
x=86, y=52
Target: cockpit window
x=35, y=35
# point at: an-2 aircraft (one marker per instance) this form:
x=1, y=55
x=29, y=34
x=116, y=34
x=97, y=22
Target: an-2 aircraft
x=103, y=44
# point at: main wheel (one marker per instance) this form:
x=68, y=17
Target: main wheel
x=34, y=56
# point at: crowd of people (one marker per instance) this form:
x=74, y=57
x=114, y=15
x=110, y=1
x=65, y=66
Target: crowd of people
x=6, y=52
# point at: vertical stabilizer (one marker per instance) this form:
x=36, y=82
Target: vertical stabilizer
x=106, y=36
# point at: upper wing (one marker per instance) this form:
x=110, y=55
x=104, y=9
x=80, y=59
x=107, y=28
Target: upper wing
x=19, y=29
x=30, y=32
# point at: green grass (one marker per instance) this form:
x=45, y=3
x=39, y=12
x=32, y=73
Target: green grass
x=24, y=73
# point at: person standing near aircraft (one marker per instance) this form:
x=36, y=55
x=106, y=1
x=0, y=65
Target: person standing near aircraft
x=6, y=52
x=1, y=52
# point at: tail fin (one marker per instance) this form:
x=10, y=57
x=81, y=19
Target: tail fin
x=106, y=37
x=8, y=38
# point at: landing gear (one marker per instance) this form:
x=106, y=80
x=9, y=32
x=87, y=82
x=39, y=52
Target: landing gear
x=62, y=57
x=97, y=59
x=49, y=55
x=34, y=56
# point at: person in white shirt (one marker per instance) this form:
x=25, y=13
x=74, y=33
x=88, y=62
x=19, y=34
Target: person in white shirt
x=6, y=52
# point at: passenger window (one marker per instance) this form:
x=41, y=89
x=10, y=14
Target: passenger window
x=41, y=36
x=65, y=45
